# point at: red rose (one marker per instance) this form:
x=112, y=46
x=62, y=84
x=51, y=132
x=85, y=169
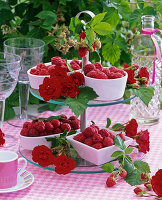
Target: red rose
x=156, y=182
x=131, y=75
x=59, y=71
x=50, y=89
x=144, y=73
x=143, y=141
x=2, y=140
x=78, y=78
x=42, y=155
x=82, y=51
x=131, y=128
x=82, y=35
x=69, y=88
x=63, y=164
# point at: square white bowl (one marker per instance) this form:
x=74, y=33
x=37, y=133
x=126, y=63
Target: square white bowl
x=96, y=156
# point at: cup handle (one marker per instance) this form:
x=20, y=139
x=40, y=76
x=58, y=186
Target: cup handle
x=24, y=166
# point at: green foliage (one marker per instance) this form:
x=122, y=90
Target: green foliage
x=108, y=167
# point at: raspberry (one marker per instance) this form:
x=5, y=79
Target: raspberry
x=104, y=133
x=112, y=135
x=96, y=127
x=34, y=71
x=97, y=138
x=63, y=119
x=106, y=71
x=108, y=141
x=82, y=51
x=101, y=75
x=138, y=191
x=80, y=64
x=43, y=72
x=113, y=69
x=110, y=181
x=122, y=136
x=74, y=65
x=24, y=132
x=148, y=186
x=57, y=131
x=43, y=133
x=33, y=133
x=89, y=67
x=97, y=146
x=65, y=126
x=41, y=66
x=98, y=66
x=72, y=118
x=55, y=123
x=92, y=74
x=121, y=71
x=75, y=124
x=51, y=68
x=56, y=60
x=49, y=127
x=76, y=61
x=39, y=126
x=123, y=174
x=116, y=75
x=89, y=131
x=88, y=141
x=27, y=125
x=82, y=35
x=111, y=75
x=79, y=137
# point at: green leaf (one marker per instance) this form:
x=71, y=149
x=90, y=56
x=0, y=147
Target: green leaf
x=124, y=10
x=134, y=178
x=112, y=16
x=90, y=35
x=142, y=166
x=121, y=42
x=9, y=112
x=102, y=28
x=111, y=52
x=4, y=6
x=49, y=39
x=129, y=150
x=127, y=95
x=71, y=132
x=117, y=127
x=108, y=167
x=108, y=122
x=159, y=6
x=150, y=11
x=140, y=4
x=117, y=153
x=97, y=19
x=54, y=117
x=119, y=142
x=135, y=18
x=80, y=103
x=144, y=93
x=75, y=25
x=128, y=165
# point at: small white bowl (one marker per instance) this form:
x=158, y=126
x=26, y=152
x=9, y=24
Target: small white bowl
x=107, y=89
x=97, y=157
x=30, y=142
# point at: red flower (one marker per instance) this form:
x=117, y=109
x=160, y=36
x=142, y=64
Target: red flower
x=69, y=88
x=82, y=35
x=42, y=155
x=59, y=71
x=131, y=75
x=78, y=78
x=2, y=140
x=131, y=128
x=50, y=89
x=144, y=73
x=143, y=141
x=82, y=51
x=156, y=182
x=63, y=164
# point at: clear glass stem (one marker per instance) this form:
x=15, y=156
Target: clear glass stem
x=23, y=99
x=2, y=109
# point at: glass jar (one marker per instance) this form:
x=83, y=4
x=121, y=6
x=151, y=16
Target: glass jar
x=143, y=55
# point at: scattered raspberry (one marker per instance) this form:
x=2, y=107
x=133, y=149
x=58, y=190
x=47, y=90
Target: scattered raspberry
x=40, y=126
x=24, y=132
x=56, y=60
x=97, y=138
x=57, y=131
x=101, y=75
x=110, y=181
x=55, y=123
x=92, y=74
x=49, y=127
x=75, y=124
x=138, y=191
x=98, y=66
x=88, y=141
x=122, y=136
x=79, y=137
x=97, y=146
x=82, y=51
x=89, y=131
x=33, y=133
x=148, y=186
x=65, y=126
x=89, y=67
x=108, y=141
x=104, y=133
x=123, y=174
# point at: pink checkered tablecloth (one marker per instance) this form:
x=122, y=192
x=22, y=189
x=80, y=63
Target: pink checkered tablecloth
x=50, y=186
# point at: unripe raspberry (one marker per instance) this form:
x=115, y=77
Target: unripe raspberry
x=97, y=43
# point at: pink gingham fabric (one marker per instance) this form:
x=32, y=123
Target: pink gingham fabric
x=50, y=186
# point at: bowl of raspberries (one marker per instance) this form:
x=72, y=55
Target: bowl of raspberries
x=34, y=133
x=38, y=73
x=108, y=82
x=96, y=145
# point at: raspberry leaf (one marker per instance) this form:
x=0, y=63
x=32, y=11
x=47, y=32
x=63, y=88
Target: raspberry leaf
x=119, y=142
x=142, y=166
x=128, y=166
x=97, y=19
x=108, y=122
x=117, y=127
x=134, y=178
x=129, y=150
x=108, y=167
x=117, y=153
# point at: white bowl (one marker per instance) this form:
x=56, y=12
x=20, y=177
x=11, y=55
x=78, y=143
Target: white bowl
x=97, y=157
x=107, y=89
x=30, y=142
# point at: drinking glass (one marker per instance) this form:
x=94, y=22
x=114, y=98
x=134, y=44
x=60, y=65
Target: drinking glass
x=31, y=51
x=9, y=71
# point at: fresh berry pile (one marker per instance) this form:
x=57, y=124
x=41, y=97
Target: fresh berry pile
x=97, y=71
x=42, y=128
x=44, y=70
x=97, y=138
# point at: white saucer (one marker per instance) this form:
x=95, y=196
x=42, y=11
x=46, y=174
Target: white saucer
x=23, y=181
